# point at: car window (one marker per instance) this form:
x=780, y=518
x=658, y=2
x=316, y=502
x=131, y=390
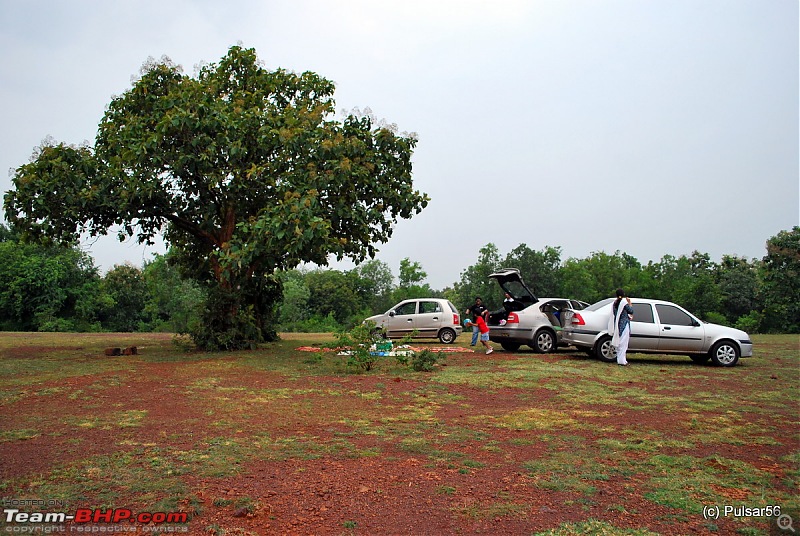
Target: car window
x=429, y=307
x=578, y=305
x=516, y=289
x=452, y=307
x=673, y=316
x=599, y=305
x=406, y=309
x=643, y=312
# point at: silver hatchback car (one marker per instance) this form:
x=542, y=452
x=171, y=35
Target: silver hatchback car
x=536, y=322
x=430, y=318
x=658, y=327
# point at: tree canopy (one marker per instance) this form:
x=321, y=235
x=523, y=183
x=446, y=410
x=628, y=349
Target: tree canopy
x=243, y=170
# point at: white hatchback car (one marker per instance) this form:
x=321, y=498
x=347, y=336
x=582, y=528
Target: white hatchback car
x=658, y=327
x=430, y=318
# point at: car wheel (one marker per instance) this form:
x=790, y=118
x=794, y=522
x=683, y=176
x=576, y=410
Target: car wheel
x=700, y=358
x=510, y=346
x=447, y=336
x=544, y=342
x=725, y=354
x=604, y=351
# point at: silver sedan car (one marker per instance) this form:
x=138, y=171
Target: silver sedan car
x=658, y=327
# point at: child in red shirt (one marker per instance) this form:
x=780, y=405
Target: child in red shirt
x=484, y=330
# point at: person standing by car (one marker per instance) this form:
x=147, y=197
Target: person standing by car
x=475, y=311
x=619, y=325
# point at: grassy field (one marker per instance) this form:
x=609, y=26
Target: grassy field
x=283, y=440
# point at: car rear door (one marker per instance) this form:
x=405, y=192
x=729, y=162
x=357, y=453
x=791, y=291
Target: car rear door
x=429, y=318
x=402, y=323
x=679, y=332
x=644, y=330
x=556, y=312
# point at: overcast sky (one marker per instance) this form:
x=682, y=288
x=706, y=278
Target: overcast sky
x=650, y=127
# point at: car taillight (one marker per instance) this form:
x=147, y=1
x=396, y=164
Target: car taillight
x=577, y=320
x=456, y=319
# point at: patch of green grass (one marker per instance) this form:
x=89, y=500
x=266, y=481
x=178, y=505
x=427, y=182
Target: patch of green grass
x=732, y=428
x=461, y=434
x=18, y=435
x=545, y=476
x=638, y=440
x=793, y=472
x=289, y=447
x=141, y=473
x=131, y=418
x=48, y=391
x=616, y=392
x=593, y=527
x=55, y=368
x=534, y=419
x=493, y=510
x=522, y=374
x=688, y=483
x=423, y=446
x=571, y=465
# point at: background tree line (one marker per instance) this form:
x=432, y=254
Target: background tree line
x=48, y=288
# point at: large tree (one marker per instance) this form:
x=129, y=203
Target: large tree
x=539, y=269
x=126, y=286
x=739, y=286
x=376, y=284
x=244, y=171
x=412, y=284
x=782, y=282
x=599, y=275
x=475, y=281
x=688, y=281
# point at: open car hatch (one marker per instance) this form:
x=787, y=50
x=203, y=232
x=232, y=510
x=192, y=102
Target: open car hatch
x=511, y=281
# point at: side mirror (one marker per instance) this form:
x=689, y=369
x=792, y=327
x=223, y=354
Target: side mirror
x=391, y=313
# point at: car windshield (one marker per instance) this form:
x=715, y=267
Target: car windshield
x=599, y=305
x=518, y=290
